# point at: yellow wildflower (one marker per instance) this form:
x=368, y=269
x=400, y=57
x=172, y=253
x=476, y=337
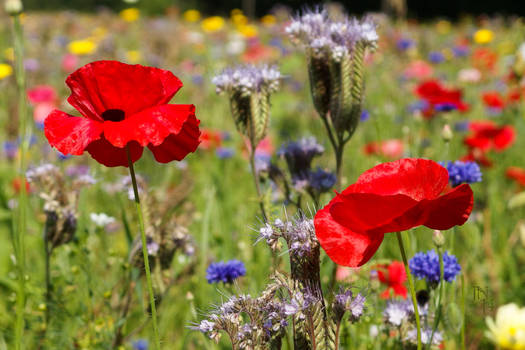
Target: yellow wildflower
x=212, y=24
x=130, y=14
x=235, y=12
x=268, y=20
x=82, y=47
x=248, y=30
x=5, y=70
x=508, y=330
x=98, y=33
x=483, y=36
x=9, y=54
x=191, y=16
x=133, y=56
x=239, y=19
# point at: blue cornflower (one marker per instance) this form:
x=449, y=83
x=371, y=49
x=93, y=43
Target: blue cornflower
x=365, y=115
x=445, y=107
x=321, y=180
x=436, y=57
x=225, y=272
x=462, y=172
x=141, y=344
x=404, y=44
x=225, y=152
x=10, y=149
x=417, y=106
x=426, y=265
x=462, y=125
x=460, y=51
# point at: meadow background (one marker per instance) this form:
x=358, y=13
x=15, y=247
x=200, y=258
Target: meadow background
x=211, y=192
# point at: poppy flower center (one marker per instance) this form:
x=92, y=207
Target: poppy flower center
x=114, y=115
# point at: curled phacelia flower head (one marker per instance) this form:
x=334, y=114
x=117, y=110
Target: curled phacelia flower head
x=344, y=301
x=247, y=79
x=315, y=30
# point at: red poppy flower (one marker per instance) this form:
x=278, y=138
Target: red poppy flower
x=124, y=105
x=394, y=276
x=493, y=99
x=439, y=98
x=484, y=59
x=487, y=136
x=516, y=174
x=388, y=148
x=390, y=197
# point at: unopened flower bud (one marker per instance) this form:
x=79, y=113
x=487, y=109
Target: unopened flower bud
x=438, y=239
x=13, y=7
x=446, y=133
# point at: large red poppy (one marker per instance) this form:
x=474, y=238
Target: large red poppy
x=390, y=197
x=124, y=105
x=493, y=99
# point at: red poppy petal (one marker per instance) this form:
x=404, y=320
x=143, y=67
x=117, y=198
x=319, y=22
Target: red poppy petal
x=342, y=245
x=414, y=177
x=107, y=154
x=70, y=134
x=385, y=294
x=363, y=212
x=504, y=138
x=450, y=209
x=150, y=126
x=177, y=146
x=397, y=273
x=400, y=290
x=102, y=85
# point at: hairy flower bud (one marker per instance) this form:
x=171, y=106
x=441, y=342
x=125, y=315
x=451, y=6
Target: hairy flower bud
x=13, y=7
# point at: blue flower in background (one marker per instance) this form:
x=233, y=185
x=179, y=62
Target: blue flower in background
x=299, y=155
x=321, y=180
x=365, y=115
x=225, y=272
x=445, y=107
x=436, y=57
x=141, y=344
x=426, y=266
x=460, y=51
x=404, y=44
x=225, y=152
x=10, y=149
x=462, y=172
x=462, y=126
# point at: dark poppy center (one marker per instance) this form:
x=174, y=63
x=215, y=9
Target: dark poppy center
x=114, y=115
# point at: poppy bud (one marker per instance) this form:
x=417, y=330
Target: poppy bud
x=13, y=7
x=438, y=239
x=446, y=133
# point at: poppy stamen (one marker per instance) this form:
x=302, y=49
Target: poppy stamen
x=114, y=115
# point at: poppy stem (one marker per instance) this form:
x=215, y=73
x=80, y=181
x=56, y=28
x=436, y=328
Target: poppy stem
x=144, y=251
x=411, y=287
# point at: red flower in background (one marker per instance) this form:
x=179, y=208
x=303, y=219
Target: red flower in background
x=418, y=70
x=484, y=59
x=487, y=136
x=517, y=174
x=390, y=197
x=493, y=99
x=210, y=139
x=394, y=276
x=42, y=94
x=124, y=106
x=388, y=148
x=439, y=98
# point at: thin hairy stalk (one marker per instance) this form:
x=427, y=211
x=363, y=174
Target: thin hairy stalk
x=48, y=279
x=440, y=296
x=411, y=287
x=21, y=218
x=144, y=251
x=257, y=184
x=463, y=330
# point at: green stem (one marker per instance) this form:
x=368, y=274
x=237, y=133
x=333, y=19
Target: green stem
x=257, y=185
x=144, y=251
x=440, y=296
x=21, y=222
x=463, y=326
x=411, y=287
